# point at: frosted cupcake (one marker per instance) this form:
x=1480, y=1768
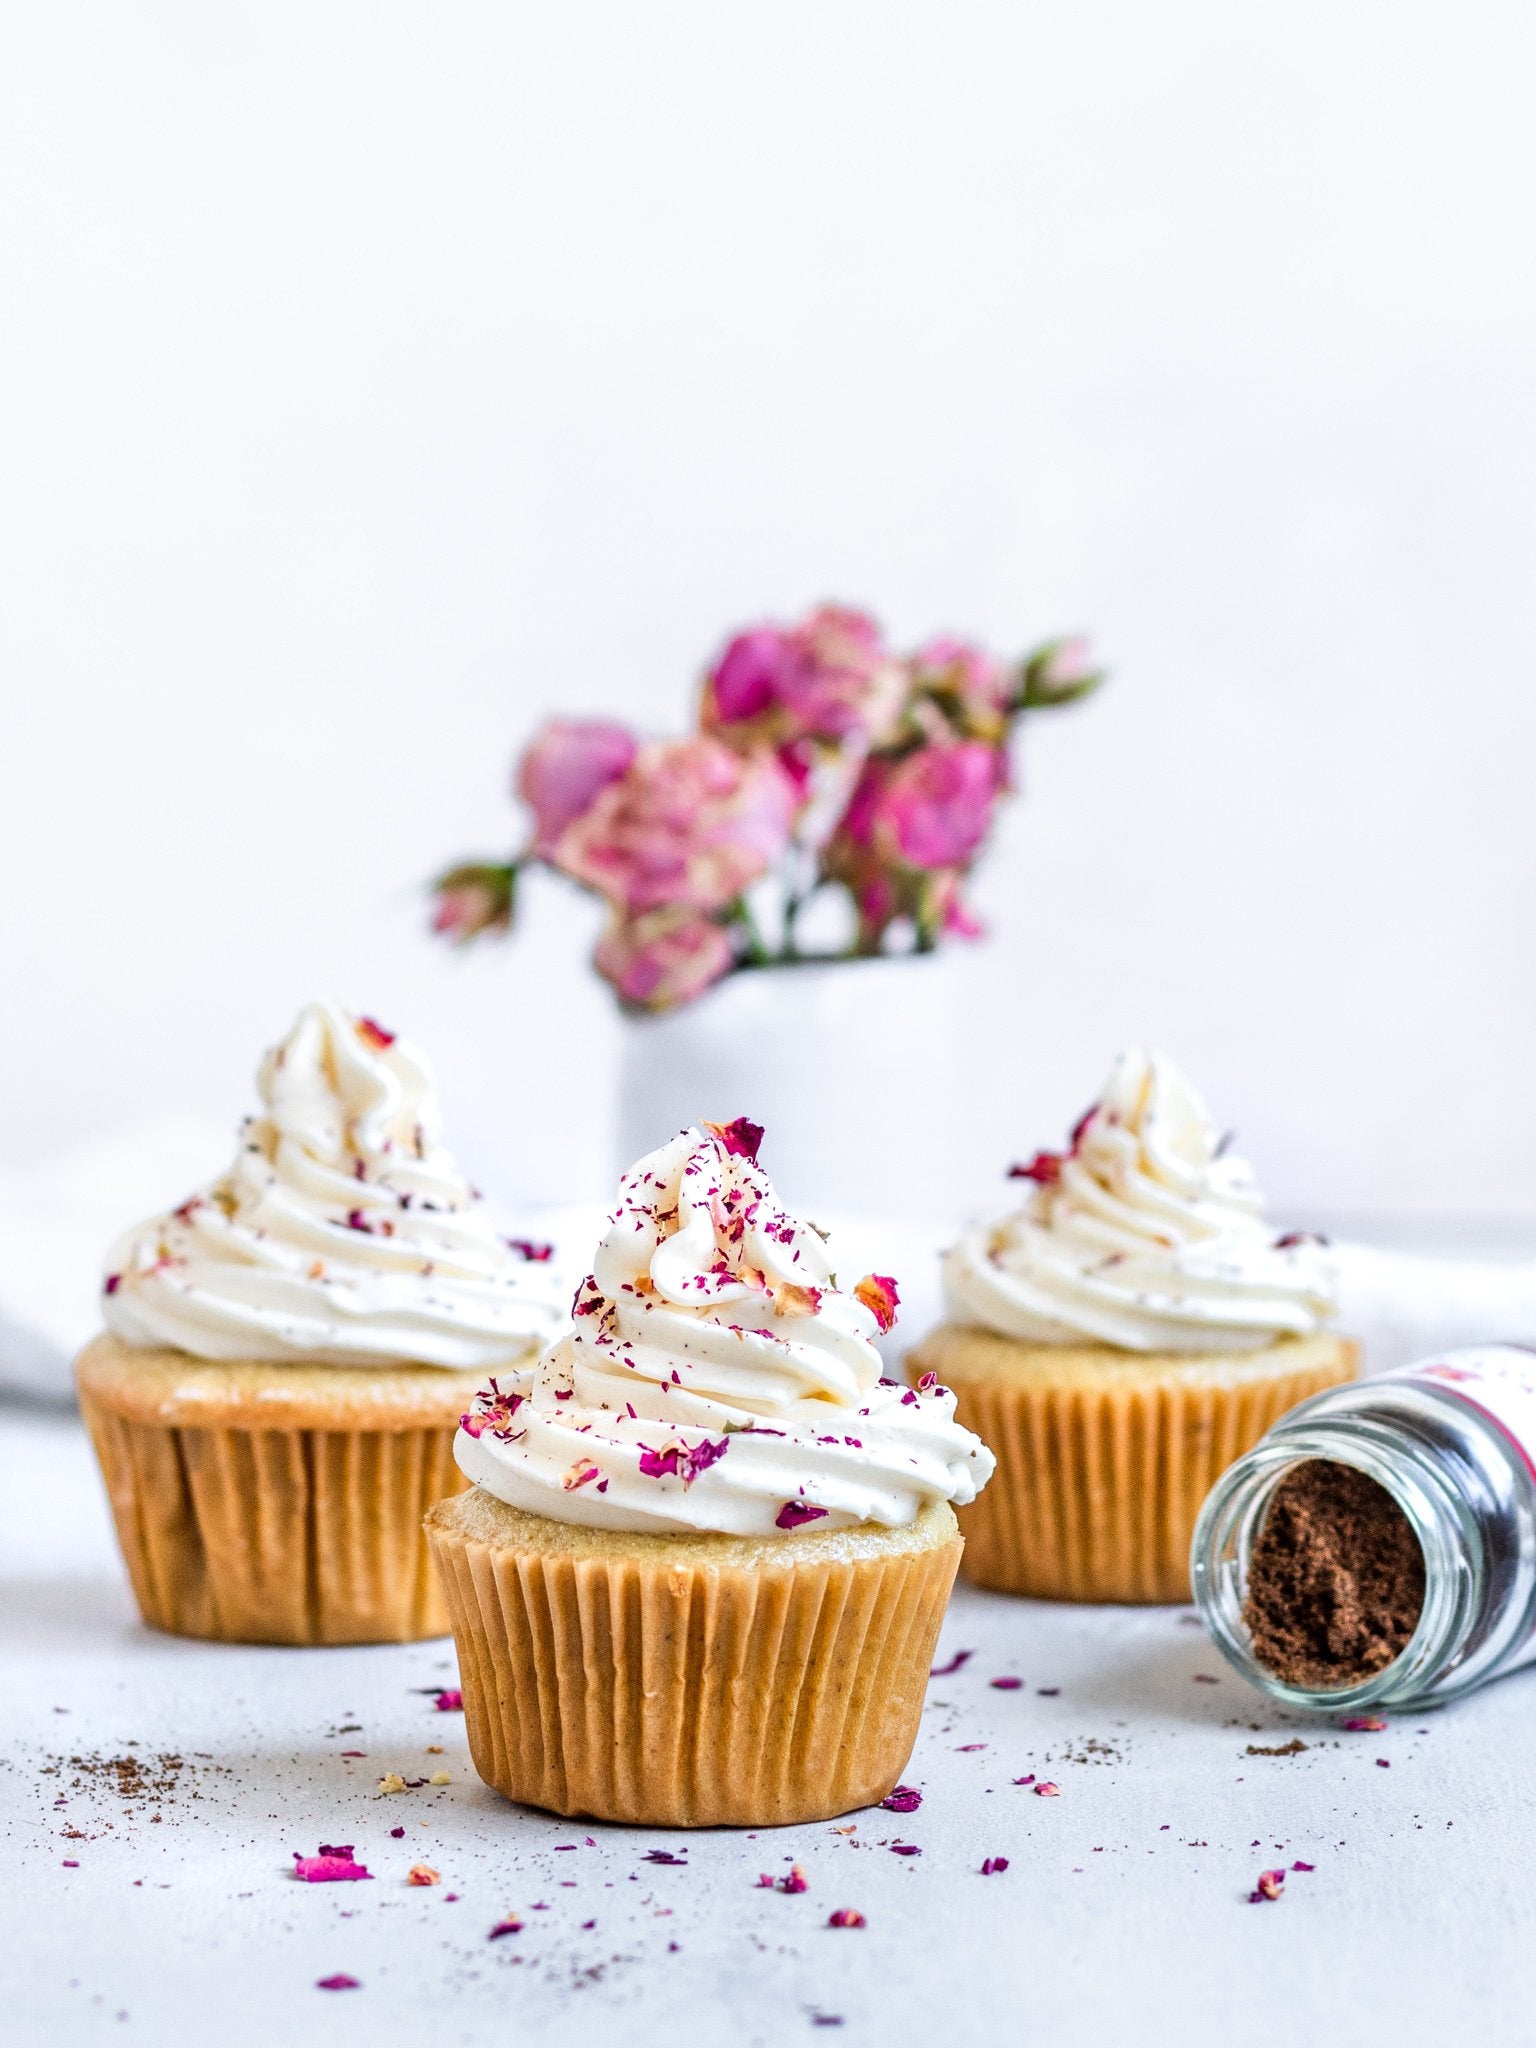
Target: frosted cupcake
x=1121, y=1339
x=701, y=1572
x=288, y=1353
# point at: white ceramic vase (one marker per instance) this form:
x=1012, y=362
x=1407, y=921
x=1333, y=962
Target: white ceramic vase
x=848, y=1066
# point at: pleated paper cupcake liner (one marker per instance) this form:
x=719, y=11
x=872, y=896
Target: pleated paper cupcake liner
x=641, y=1686
x=1098, y=1486
x=276, y=1535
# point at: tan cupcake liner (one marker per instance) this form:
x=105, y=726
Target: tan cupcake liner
x=659, y=1681
x=1101, y=1476
x=277, y=1535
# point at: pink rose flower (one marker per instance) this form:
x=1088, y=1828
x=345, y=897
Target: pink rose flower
x=663, y=959
x=826, y=680
x=758, y=670
x=564, y=766
x=688, y=825
x=931, y=808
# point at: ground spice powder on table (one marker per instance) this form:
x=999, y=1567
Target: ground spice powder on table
x=1335, y=1579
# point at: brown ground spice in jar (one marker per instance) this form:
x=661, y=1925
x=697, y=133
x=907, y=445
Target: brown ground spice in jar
x=1335, y=1579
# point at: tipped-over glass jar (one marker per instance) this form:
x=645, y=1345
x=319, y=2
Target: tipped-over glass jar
x=1305, y=1575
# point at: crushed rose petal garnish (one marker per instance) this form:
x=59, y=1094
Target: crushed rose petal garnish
x=956, y=1663
x=450, y=1700
x=789, y=1299
x=993, y=1864
x=904, y=1849
x=878, y=1293
x=905, y=1799
x=846, y=1916
x=741, y=1137
x=1271, y=1884
x=333, y=1865
x=1006, y=1684
x=681, y=1461
x=1303, y=1866
x=796, y=1513
x=663, y=1856
x=508, y=1924
x=423, y=1873
x=528, y=1248
x=1025, y=1781
x=792, y=1881
x=1047, y=1790
x=1364, y=1724
x=373, y=1033
x=1044, y=1169
x=338, y=1981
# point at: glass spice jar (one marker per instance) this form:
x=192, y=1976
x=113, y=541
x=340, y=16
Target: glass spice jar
x=1452, y=1441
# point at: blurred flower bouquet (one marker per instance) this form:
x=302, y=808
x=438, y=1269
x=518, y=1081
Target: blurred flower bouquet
x=824, y=765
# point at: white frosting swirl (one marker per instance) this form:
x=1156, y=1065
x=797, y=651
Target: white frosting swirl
x=343, y=1234
x=717, y=1378
x=1146, y=1234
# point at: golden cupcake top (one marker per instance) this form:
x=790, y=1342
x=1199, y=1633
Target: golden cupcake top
x=343, y=1232
x=1146, y=1233
x=717, y=1376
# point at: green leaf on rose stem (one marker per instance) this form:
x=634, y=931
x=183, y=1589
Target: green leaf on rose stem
x=1056, y=674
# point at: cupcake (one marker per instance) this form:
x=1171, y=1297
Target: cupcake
x=701, y=1572
x=287, y=1356
x=1120, y=1340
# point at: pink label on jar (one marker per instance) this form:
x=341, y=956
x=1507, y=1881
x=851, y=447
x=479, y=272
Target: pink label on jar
x=1499, y=1380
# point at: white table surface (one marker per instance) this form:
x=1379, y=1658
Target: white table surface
x=1123, y=1915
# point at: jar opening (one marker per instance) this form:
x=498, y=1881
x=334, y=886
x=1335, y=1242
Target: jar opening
x=1335, y=1579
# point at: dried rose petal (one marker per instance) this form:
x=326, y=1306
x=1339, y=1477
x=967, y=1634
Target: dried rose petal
x=681, y=1461
x=1025, y=1781
x=423, y=1873
x=1006, y=1684
x=527, y=1248
x=846, y=1916
x=1270, y=1886
x=956, y=1663
x=878, y=1293
x=397, y=1833
x=741, y=1137
x=663, y=1856
x=1364, y=1724
x=905, y=1799
x=1383, y=1763
x=796, y=1513
x=374, y=1034
x=993, y=1865
x=1044, y=1169
x=450, y=1700
x=339, y=1981
x=112, y=1283
x=333, y=1865
x=582, y=1473
x=508, y=1924
x=1046, y=1790
x=1303, y=1866
x=792, y=1300
x=795, y=1882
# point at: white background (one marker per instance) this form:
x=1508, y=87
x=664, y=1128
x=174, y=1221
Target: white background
x=379, y=378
